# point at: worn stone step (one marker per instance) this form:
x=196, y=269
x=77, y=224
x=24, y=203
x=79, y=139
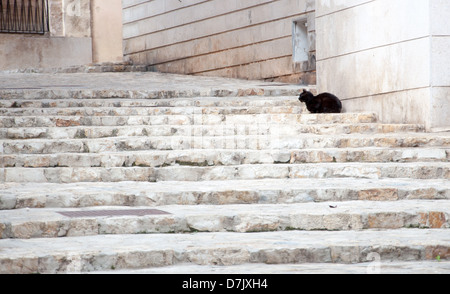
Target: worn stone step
x=106, y=252
x=109, y=84
x=253, y=142
x=348, y=215
x=145, y=111
x=130, y=92
x=186, y=119
x=265, y=191
x=414, y=170
x=116, y=67
x=255, y=101
x=417, y=170
x=202, y=130
x=373, y=266
x=217, y=157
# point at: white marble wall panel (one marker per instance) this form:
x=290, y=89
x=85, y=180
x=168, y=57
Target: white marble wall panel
x=396, y=67
x=374, y=24
x=386, y=56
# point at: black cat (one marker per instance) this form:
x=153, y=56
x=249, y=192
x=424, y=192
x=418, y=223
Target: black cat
x=322, y=103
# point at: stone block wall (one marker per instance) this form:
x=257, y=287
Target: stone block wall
x=251, y=39
x=81, y=32
x=386, y=56
x=68, y=42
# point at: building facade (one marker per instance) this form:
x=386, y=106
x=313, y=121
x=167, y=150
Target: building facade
x=391, y=57
x=59, y=33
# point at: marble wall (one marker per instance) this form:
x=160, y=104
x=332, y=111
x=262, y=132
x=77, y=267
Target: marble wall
x=386, y=56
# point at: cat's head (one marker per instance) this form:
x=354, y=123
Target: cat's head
x=305, y=96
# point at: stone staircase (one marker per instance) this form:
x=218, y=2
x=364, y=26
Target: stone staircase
x=241, y=180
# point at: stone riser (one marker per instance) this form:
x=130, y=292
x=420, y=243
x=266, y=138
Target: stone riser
x=266, y=191
x=116, y=67
x=385, y=267
x=420, y=170
x=358, y=215
x=57, y=94
x=22, y=105
x=415, y=170
x=143, y=251
x=201, y=130
x=189, y=119
x=218, y=157
x=119, y=144
x=146, y=111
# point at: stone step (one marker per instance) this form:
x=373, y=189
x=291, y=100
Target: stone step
x=57, y=92
x=252, y=142
x=413, y=170
x=106, y=252
x=202, y=130
x=254, y=101
x=348, y=215
x=218, y=157
x=265, y=191
x=107, y=67
x=187, y=119
x=146, y=111
x=373, y=266
x=110, y=84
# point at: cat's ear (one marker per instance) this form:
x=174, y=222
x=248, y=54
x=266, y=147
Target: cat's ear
x=304, y=90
